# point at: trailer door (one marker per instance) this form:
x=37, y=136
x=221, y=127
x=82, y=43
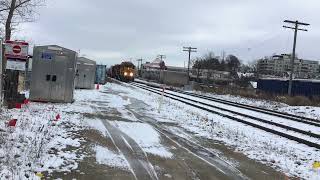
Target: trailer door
x=58, y=78
x=41, y=75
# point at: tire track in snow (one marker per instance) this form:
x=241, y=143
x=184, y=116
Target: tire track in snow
x=137, y=159
x=196, y=150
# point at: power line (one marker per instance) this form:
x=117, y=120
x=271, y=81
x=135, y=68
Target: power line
x=263, y=42
x=296, y=29
x=189, y=50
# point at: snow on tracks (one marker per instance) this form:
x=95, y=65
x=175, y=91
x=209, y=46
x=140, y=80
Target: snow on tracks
x=292, y=158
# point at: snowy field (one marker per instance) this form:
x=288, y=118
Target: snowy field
x=38, y=142
x=288, y=156
x=44, y=141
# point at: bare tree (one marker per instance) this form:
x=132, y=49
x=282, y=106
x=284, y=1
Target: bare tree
x=14, y=12
x=197, y=66
x=233, y=63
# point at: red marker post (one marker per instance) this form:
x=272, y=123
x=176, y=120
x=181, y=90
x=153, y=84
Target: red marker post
x=12, y=123
x=18, y=105
x=26, y=101
x=161, y=99
x=57, y=117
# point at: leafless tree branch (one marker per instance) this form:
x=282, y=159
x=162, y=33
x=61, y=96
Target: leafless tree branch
x=14, y=12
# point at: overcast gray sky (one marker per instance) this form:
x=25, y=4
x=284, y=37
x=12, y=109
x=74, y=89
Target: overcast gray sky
x=110, y=31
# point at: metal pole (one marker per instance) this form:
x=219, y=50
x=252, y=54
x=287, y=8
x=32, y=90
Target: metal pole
x=189, y=64
x=140, y=68
x=292, y=59
x=1, y=74
x=190, y=50
x=138, y=65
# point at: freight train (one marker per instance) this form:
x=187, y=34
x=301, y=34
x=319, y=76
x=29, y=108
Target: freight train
x=123, y=72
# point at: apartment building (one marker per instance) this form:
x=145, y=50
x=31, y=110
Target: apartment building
x=280, y=65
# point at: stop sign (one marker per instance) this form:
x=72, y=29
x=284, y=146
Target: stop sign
x=16, y=49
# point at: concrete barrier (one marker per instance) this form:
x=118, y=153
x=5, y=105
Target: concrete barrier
x=166, y=77
x=151, y=75
x=174, y=78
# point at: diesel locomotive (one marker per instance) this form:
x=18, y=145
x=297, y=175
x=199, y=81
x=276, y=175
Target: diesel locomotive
x=123, y=72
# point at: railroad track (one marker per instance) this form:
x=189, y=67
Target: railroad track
x=292, y=132
x=293, y=117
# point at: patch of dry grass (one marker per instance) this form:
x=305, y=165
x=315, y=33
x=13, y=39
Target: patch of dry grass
x=254, y=94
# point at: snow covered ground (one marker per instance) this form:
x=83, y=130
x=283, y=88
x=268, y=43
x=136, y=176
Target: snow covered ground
x=43, y=140
x=147, y=138
x=107, y=157
x=40, y=143
x=288, y=156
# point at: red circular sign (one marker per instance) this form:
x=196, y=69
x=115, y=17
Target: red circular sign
x=16, y=49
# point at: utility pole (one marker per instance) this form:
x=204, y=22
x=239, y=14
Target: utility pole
x=1, y=73
x=296, y=29
x=161, y=56
x=223, y=55
x=189, y=50
x=139, y=67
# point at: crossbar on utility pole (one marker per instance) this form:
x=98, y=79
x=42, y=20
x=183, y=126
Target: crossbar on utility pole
x=296, y=29
x=189, y=50
x=161, y=56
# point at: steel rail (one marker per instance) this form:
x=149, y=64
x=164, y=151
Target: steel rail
x=291, y=137
x=292, y=117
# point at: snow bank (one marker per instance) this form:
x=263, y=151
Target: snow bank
x=97, y=125
x=144, y=134
x=109, y=158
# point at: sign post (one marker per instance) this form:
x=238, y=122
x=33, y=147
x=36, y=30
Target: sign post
x=16, y=54
x=161, y=99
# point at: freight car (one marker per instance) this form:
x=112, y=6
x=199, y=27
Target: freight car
x=100, y=74
x=123, y=72
x=300, y=87
x=114, y=71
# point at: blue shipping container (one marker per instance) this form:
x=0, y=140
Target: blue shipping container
x=301, y=87
x=100, y=74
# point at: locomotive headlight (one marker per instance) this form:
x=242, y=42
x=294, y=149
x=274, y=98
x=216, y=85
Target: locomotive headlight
x=131, y=74
x=125, y=73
